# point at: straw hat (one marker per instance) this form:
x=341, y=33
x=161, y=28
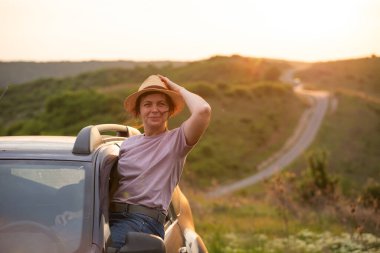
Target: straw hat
x=154, y=83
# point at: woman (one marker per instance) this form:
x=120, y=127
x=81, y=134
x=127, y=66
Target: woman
x=150, y=165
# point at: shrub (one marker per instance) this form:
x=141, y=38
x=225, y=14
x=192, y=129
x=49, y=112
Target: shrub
x=272, y=74
x=265, y=89
x=204, y=90
x=316, y=180
x=240, y=92
x=371, y=196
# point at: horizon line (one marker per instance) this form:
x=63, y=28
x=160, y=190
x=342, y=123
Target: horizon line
x=373, y=55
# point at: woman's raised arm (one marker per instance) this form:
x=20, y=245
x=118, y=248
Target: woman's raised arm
x=200, y=111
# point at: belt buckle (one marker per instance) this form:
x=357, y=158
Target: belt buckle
x=126, y=207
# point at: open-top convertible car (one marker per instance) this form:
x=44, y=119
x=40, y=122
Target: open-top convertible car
x=55, y=191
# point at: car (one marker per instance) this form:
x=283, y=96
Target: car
x=55, y=192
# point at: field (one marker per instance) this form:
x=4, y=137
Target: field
x=328, y=200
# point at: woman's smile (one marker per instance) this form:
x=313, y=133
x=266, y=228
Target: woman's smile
x=154, y=112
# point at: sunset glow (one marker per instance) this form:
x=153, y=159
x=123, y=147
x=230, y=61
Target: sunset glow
x=45, y=30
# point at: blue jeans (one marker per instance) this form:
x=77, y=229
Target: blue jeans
x=122, y=223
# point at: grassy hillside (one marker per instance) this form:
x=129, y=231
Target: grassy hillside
x=351, y=136
x=268, y=218
x=358, y=75
x=273, y=216
x=20, y=72
x=350, y=132
x=252, y=116
x=281, y=214
x=248, y=124
x=249, y=110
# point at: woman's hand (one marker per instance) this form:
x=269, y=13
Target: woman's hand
x=171, y=85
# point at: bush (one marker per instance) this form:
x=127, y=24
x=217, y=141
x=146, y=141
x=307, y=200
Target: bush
x=204, y=90
x=371, y=196
x=265, y=89
x=316, y=181
x=67, y=112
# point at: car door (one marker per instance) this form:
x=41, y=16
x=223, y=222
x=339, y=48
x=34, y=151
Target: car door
x=180, y=233
x=174, y=239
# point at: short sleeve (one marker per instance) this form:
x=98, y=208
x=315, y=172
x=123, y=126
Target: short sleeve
x=183, y=147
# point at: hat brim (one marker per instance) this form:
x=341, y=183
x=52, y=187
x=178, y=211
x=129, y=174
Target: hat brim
x=130, y=101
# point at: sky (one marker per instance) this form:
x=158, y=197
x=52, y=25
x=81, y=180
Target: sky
x=146, y=30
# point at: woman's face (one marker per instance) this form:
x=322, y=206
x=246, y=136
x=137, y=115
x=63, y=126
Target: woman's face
x=154, y=110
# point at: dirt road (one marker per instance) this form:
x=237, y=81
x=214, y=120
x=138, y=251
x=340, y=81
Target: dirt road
x=302, y=137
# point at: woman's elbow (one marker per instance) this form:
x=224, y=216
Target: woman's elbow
x=205, y=111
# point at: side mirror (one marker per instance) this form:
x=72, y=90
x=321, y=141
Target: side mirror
x=136, y=242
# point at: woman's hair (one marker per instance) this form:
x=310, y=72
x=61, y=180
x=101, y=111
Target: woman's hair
x=167, y=98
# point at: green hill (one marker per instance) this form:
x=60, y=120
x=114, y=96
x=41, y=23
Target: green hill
x=20, y=72
x=253, y=115
x=350, y=132
x=249, y=109
x=275, y=216
x=360, y=75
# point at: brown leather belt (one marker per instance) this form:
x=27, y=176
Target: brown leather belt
x=129, y=208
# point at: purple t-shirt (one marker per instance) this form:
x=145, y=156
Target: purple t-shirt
x=150, y=167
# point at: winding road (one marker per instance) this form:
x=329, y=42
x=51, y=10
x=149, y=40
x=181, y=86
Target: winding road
x=302, y=137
